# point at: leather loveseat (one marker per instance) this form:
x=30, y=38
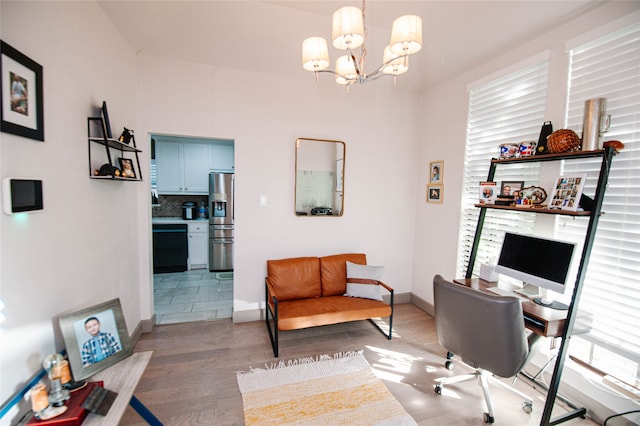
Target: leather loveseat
x=307, y=292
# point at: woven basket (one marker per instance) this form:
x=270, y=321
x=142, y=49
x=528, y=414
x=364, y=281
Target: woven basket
x=563, y=140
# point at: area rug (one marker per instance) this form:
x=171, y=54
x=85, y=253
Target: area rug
x=224, y=276
x=325, y=390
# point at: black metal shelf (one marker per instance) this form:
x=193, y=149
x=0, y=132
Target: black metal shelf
x=108, y=144
x=607, y=157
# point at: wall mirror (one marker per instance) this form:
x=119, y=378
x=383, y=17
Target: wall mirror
x=319, y=177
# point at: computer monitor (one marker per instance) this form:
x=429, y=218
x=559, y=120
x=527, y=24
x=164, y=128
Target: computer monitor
x=537, y=261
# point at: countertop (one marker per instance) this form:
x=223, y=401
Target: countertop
x=174, y=220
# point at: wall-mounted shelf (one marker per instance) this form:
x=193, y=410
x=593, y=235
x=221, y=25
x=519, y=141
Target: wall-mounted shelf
x=535, y=210
x=109, y=144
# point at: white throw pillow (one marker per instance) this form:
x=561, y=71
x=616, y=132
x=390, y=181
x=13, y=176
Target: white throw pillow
x=361, y=281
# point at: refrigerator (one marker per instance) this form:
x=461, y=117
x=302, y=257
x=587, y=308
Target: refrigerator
x=221, y=221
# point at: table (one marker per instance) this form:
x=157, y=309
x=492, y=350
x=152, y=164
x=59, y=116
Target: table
x=123, y=378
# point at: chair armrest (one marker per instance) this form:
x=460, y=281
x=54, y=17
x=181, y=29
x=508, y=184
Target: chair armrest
x=270, y=293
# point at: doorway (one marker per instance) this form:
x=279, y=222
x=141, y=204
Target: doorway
x=179, y=176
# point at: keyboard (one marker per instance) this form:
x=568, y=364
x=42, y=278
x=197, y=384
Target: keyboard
x=99, y=400
x=500, y=291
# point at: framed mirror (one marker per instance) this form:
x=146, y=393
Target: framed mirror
x=319, y=177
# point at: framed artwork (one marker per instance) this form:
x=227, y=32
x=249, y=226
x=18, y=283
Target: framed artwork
x=95, y=338
x=22, y=109
x=567, y=192
x=126, y=168
x=435, y=193
x=511, y=187
x=488, y=193
x=436, y=171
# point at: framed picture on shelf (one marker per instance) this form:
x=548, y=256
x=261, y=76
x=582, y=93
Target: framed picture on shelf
x=511, y=187
x=436, y=171
x=488, y=193
x=126, y=168
x=435, y=193
x=22, y=109
x=567, y=192
x=95, y=338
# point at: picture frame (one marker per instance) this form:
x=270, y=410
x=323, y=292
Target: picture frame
x=21, y=94
x=436, y=171
x=567, y=192
x=111, y=328
x=126, y=168
x=105, y=117
x=435, y=193
x=488, y=192
x=509, y=187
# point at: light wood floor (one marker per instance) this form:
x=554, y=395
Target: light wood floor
x=191, y=379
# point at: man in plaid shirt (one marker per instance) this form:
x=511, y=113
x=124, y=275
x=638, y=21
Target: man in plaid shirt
x=101, y=345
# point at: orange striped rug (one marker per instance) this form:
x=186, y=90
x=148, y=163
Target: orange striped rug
x=326, y=390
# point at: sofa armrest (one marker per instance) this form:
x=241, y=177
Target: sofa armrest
x=388, y=288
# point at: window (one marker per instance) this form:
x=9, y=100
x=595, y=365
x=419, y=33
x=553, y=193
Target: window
x=509, y=109
x=609, y=67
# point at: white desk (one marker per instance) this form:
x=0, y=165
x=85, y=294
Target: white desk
x=123, y=378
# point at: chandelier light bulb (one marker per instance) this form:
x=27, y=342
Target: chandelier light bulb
x=394, y=64
x=406, y=35
x=348, y=28
x=315, y=55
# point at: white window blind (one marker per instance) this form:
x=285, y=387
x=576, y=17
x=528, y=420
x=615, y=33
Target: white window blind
x=609, y=67
x=509, y=109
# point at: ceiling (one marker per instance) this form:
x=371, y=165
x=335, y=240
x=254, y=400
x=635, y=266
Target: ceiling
x=266, y=36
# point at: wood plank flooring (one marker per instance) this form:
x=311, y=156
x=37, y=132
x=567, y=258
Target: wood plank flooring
x=191, y=378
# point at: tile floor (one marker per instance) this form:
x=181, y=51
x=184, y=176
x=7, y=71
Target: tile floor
x=196, y=295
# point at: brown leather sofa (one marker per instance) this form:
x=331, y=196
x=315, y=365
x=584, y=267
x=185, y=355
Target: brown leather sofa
x=310, y=291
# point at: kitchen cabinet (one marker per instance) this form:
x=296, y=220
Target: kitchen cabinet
x=182, y=168
x=198, y=242
x=221, y=157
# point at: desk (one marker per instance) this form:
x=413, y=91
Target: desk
x=543, y=321
x=123, y=378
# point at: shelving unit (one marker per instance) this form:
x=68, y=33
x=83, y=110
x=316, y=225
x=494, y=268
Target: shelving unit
x=109, y=144
x=593, y=216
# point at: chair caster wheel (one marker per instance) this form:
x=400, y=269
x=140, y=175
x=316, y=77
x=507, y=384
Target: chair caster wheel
x=449, y=365
x=438, y=389
x=488, y=418
x=527, y=407
x=450, y=355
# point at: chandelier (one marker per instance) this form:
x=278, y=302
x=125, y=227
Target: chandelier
x=348, y=34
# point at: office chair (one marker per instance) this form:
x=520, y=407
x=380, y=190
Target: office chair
x=486, y=331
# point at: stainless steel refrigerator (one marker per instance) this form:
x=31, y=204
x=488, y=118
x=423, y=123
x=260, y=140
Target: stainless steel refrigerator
x=221, y=221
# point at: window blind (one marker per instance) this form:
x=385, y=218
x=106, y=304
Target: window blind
x=609, y=67
x=509, y=109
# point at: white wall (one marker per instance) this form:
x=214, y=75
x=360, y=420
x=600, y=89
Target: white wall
x=265, y=114
x=82, y=249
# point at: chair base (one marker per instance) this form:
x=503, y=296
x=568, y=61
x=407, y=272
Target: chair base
x=484, y=377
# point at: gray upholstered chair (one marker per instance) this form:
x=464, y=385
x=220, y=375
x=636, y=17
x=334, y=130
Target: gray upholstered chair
x=486, y=331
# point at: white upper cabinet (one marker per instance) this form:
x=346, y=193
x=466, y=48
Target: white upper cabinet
x=183, y=167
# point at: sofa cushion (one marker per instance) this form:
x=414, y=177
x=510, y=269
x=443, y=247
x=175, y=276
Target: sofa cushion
x=294, y=278
x=362, y=281
x=333, y=270
x=298, y=314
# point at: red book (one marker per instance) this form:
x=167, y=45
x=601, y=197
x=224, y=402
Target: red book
x=75, y=414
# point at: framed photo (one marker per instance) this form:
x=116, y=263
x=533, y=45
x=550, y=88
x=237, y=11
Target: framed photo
x=511, y=187
x=95, y=338
x=126, y=168
x=436, y=171
x=567, y=192
x=22, y=110
x=488, y=193
x=435, y=193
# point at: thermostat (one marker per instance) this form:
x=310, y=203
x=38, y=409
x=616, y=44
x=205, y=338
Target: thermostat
x=21, y=195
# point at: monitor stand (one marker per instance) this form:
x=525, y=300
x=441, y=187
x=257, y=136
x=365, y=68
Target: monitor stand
x=550, y=303
x=528, y=290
